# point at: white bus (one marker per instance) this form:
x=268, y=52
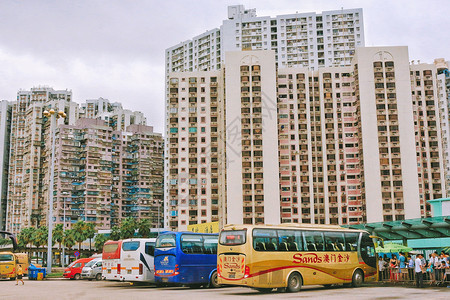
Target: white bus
x=111, y=259
x=137, y=260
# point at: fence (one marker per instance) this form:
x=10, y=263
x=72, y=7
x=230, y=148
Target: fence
x=405, y=275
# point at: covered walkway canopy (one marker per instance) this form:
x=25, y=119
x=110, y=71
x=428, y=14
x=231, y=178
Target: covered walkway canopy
x=436, y=227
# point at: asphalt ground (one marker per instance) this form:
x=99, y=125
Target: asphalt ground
x=82, y=289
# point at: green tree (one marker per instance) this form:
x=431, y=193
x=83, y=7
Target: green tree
x=39, y=237
x=115, y=233
x=90, y=232
x=143, y=227
x=58, y=237
x=69, y=240
x=79, y=232
x=128, y=228
x=99, y=241
x=25, y=237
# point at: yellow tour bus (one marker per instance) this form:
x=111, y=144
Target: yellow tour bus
x=8, y=265
x=289, y=256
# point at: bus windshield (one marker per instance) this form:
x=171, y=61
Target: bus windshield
x=130, y=246
x=232, y=238
x=6, y=257
x=166, y=241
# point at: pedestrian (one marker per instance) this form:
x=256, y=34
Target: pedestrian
x=393, y=264
x=19, y=275
x=401, y=265
x=410, y=267
x=382, y=267
x=430, y=267
x=419, y=270
x=437, y=266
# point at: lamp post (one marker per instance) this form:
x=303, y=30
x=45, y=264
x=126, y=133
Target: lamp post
x=52, y=115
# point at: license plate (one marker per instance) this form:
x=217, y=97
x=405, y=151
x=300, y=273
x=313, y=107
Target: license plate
x=109, y=271
x=128, y=271
x=164, y=279
x=231, y=275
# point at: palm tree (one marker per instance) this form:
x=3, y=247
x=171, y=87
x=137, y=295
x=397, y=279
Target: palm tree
x=115, y=233
x=99, y=241
x=79, y=233
x=128, y=228
x=144, y=227
x=39, y=237
x=58, y=237
x=90, y=232
x=69, y=240
x=25, y=238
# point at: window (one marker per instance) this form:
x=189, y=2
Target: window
x=265, y=240
x=368, y=250
x=313, y=240
x=150, y=248
x=290, y=240
x=235, y=237
x=351, y=241
x=210, y=244
x=165, y=240
x=192, y=244
x=334, y=241
x=130, y=246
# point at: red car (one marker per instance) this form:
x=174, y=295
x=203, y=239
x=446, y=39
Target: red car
x=73, y=271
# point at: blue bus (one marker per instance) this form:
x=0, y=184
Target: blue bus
x=186, y=258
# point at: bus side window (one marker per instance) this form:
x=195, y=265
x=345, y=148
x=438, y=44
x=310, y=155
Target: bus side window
x=265, y=240
x=150, y=248
x=334, y=241
x=313, y=240
x=210, y=244
x=351, y=241
x=290, y=240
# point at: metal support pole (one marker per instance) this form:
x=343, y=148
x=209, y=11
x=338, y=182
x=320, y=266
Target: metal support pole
x=64, y=229
x=50, y=200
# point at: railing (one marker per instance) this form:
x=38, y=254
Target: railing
x=408, y=275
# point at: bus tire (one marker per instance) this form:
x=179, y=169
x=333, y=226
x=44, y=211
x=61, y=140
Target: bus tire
x=294, y=283
x=358, y=278
x=213, y=282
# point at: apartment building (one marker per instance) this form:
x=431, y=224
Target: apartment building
x=443, y=86
x=5, y=128
x=28, y=175
x=108, y=162
x=357, y=143
x=116, y=116
x=106, y=175
x=299, y=39
x=193, y=145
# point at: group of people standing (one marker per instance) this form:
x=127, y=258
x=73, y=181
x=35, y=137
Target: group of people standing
x=406, y=268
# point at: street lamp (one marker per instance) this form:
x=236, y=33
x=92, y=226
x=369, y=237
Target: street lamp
x=52, y=115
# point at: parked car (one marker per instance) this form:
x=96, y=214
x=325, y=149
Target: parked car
x=73, y=271
x=92, y=269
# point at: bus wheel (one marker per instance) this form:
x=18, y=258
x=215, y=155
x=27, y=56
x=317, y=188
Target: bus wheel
x=264, y=290
x=358, y=278
x=213, y=283
x=294, y=283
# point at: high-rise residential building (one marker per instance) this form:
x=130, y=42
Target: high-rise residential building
x=5, y=128
x=299, y=39
x=113, y=113
x=108, y=162
x=357, y=143
x=107, y=175
x=28, y=177
x=443, y=86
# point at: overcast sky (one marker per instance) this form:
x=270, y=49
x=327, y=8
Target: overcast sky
x=115, y=49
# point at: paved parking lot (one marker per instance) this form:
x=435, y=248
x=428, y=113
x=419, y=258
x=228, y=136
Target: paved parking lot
x=69, y=289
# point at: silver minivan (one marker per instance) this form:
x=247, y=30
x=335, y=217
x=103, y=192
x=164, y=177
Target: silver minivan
x=92, y=269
